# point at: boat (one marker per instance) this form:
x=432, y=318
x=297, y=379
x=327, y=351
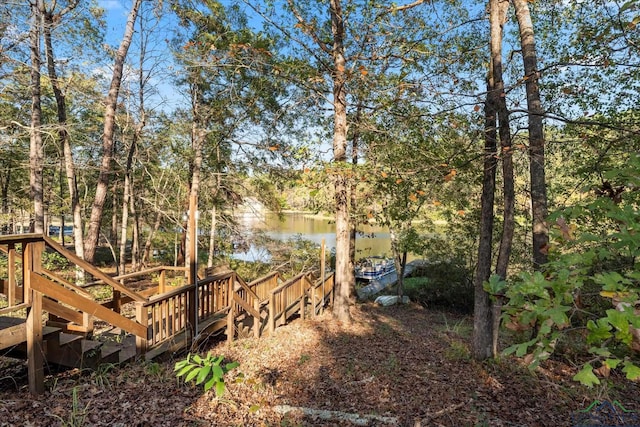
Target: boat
x=374, y=267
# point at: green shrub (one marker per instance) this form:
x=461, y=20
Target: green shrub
x=54, y=261
x=208, y=371
x=445, y=284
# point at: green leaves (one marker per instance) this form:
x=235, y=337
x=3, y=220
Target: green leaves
x=586, y=376
x=589, y=289
x=208, y=371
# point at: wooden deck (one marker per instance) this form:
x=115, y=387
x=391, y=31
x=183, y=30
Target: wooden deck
x=49, y=319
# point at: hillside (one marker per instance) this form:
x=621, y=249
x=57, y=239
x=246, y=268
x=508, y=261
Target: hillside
x=407, y=365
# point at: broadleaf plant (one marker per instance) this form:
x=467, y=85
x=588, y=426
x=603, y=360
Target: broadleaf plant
x=209, y=371
x=585, y=299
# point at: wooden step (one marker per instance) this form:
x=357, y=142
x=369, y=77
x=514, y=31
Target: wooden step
x=73, y=351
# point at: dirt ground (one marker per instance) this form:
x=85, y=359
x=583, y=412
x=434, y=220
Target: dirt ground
x=402, y=365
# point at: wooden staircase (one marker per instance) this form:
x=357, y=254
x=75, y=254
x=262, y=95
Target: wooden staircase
x=50, y=321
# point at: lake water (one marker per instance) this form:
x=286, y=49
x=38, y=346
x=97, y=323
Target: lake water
x=370, y=240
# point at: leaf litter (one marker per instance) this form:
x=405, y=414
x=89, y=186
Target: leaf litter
x=400, y=365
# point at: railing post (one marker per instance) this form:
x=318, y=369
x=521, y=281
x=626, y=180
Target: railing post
x=192, y=312
x=117, y=305
x=35, y=358
x=314, y=304
x=231, y=328
x=11, y=267
x=303, y=305
x=142, y=317
x=257, y=323
x=162, y=282
x=272, y=313
x=27, y=268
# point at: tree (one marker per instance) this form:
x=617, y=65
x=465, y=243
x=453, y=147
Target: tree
x=536, y=134
x=50, y=19
x=111, y=103
x=486, y=307
x=36, y=150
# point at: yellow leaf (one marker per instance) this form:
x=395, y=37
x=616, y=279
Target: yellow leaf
x=384, y=174
x=413, y=197
x=461, y=212
x=436, y=203
x=421, y=193
x=399, y=180
x=274, y=148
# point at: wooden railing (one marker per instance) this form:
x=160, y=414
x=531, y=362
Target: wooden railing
x=263, y=286
x=288, y=298
x=321, y=294
x=163, y=315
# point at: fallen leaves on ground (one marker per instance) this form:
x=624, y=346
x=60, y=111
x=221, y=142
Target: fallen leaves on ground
x=404, y=364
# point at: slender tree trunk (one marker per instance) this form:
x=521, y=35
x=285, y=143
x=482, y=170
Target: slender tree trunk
x=36, y=150
x=343, y=286
x=212, y=237
x=126, y=198
x=536, y=135
x=146, y=253
x=482, y=312
x=111, y=103
x=113, y=232
x=5, y=179
x=353, y=199
x=135, y=231
x=499, y=8
x=63, y=134
x=198, y=135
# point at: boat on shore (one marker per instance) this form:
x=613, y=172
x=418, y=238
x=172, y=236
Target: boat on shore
x=374, y=268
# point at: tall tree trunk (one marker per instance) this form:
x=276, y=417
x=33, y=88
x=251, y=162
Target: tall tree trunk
x=111, y=103
x=482, y=311
x=36, y=150
x=126, y=199
x=198, y=136
x=499, y=8
x=61, y=108
x=212, y=237
x=353, y=199
x=536, y=135
x=343, y=285
x=146, y=253
x=135, y=231
x=5, y=179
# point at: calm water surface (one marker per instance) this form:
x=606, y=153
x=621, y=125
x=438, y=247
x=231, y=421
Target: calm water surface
x=370, y=240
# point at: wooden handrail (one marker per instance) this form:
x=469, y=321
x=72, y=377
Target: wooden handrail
x=289, y=282
x=89, y=268
x=136, y=274
x=217, y=277
x=67, y=284
x=264, y=278
x=14, y=308
x=246, y=287
x=20, y=238
x=167, y=295
x=47, y=287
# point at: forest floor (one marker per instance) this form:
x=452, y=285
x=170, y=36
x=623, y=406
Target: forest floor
x=400, y=365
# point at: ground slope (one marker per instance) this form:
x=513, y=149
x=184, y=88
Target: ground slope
x=405, y=365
